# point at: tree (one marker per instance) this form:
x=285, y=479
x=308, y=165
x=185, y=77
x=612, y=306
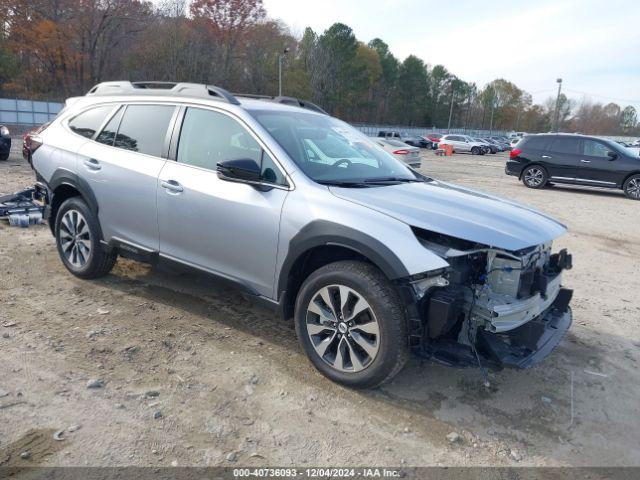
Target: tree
x=628, y=119
x=412, y=91
x=385, y=89
x=228, y=20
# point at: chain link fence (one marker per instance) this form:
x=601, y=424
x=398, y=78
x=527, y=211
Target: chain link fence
x=373, y=129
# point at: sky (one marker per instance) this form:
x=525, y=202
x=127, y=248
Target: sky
x=594, y=46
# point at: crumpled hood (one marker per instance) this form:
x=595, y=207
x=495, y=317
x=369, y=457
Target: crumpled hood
x=458, y=212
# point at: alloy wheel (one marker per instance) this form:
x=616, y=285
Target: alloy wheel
x=534, y=177
x=633, y=188
x=342, y=328
x=75, y=238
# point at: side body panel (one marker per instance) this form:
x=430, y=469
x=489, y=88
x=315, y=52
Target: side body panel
x=124, y=184
x=226, y=228
x=313, y=212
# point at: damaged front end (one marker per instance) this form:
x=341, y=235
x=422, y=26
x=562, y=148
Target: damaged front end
x=506, y=307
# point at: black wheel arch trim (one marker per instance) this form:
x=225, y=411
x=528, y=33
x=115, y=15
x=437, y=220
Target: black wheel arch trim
x=66, y=177
x=323, y=233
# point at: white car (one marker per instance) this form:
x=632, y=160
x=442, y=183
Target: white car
x=403, y=152
x=463, y=144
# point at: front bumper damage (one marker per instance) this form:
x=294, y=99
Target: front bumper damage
x=493, y=308
x=532, y=342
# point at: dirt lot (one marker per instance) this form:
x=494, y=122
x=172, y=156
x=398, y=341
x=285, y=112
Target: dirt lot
x=231, y=386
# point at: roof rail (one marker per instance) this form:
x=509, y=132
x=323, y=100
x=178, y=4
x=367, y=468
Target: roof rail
x=296, y=102
x=163, y=88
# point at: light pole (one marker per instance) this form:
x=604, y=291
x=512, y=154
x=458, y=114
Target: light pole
x=557, y=116
x=493, y=104
x=280, y=57
x=451, y=108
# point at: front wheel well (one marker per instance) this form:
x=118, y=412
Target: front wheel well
x=309, y=262
x=628, y=177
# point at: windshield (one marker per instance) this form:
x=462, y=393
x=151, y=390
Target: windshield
x=330, y=151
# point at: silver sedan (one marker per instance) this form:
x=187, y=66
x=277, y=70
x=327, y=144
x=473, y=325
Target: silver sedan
x=406, y=153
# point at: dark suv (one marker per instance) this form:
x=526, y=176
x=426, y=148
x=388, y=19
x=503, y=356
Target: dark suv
x=539, y=160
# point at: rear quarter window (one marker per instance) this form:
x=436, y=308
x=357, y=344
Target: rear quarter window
x=536, y=143
x=90, y=121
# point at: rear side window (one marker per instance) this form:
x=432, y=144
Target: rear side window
x=143, y=128
x=537, y=143
x=565, y=145
x=88, y=123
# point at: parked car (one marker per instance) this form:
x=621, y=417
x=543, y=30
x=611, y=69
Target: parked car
x=371, y=259
x=413, y=140
x=488, y=146
x=463, y=144
x=5, y=143
x=403, y=152
x=514, y=141
x=495, y=143
x=575, y=159
x=504, y=141
x=434, y=138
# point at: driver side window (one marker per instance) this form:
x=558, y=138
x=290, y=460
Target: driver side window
x=208, y=137
x=595, y=149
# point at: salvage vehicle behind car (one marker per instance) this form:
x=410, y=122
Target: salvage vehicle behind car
x=371, y=259
x=413, y=140
x=5, y=143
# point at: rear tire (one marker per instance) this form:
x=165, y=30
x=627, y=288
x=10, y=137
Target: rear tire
x=535, y=176
x=632, y=187
x=4, y=157
x=78, y=240
x=359, y=340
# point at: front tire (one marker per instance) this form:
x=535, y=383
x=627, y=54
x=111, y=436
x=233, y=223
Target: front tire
x=4, y=157
x=475, y=151
x=535, y=176
x=632, y=187
x=351, y=324
x=78, y=241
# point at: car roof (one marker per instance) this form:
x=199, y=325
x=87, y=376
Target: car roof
x=194, y=92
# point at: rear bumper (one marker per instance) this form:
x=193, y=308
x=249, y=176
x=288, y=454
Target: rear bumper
x=513, y=168
x=532, y=342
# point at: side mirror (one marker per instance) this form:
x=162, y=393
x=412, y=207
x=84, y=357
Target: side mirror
x=239, y=170
x=612, y=155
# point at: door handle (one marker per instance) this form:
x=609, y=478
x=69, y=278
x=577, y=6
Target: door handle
x=171, y=186
x=546, y=156
x=92, y=164
x=585, y=161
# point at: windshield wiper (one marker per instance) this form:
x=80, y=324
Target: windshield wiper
x=342, y=183
x=373, y=181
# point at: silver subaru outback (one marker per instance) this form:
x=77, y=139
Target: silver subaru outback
x=372, y=260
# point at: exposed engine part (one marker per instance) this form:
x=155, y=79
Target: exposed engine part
x=491, y=293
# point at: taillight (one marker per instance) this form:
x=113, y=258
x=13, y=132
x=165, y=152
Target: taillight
x=32, y=142
x=514, y=153
x=401, y=152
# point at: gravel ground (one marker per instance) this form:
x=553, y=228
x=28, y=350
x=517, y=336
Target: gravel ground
x=191, y=373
